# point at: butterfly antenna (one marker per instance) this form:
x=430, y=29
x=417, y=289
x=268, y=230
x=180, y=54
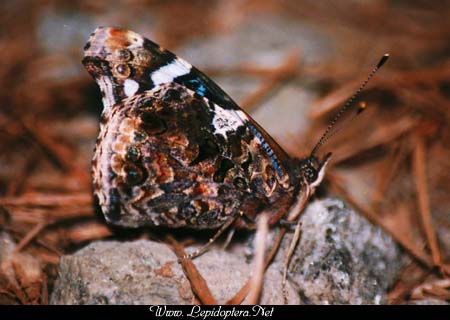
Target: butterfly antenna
x=349, y=102
x=361, y=107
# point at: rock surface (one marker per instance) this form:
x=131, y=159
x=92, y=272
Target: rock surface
x=341, y=258
x=146, y=272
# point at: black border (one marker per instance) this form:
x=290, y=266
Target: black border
x=386, y=312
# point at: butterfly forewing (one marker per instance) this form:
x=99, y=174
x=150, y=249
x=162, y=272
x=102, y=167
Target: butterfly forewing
x=174, y=149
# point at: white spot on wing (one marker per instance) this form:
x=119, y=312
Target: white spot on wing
x=106, y=87
x=226, y=120
x=130, y=87
x=165, y=74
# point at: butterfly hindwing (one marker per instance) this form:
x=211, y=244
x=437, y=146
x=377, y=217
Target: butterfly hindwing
x=174, y=149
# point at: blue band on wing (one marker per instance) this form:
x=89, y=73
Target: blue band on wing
x=198, y=87
x=203, y=86
x=268, y=149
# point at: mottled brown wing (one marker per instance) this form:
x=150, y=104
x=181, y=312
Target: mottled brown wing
x=161, y=161
x=171, y=157
x=174, y=149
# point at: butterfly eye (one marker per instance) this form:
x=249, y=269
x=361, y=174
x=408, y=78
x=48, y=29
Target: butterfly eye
x=308, y=171
x=310, y=174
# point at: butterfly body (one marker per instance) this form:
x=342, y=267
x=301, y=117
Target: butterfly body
x=175, y=150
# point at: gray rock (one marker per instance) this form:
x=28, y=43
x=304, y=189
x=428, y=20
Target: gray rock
x=146, y=272
x=341, y=258
x=111, y=272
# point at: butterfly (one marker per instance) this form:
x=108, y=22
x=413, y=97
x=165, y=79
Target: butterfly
x=175, y=150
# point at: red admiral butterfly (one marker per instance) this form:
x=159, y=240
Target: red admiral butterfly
x=175, y=150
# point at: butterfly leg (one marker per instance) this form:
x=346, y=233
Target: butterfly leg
x=245, y=222
x=288, y=224
x=229, y=237
x=205, y=247
x=295, y=239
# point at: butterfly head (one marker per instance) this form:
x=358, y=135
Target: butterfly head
x=312, y=169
